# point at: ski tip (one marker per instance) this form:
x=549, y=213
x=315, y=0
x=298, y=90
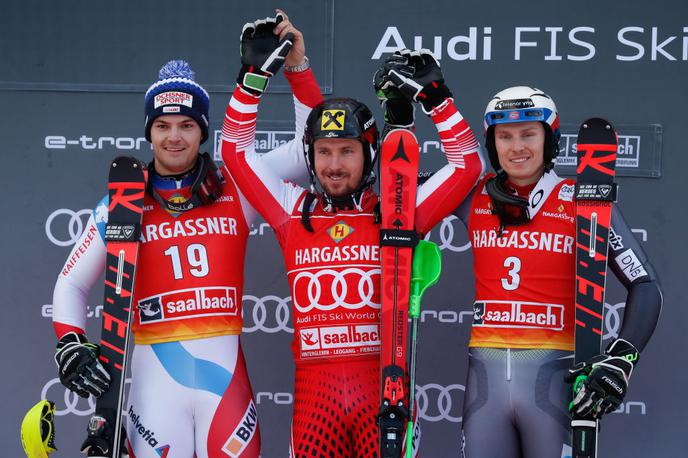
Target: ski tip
x=597, y=123
x=127, y=162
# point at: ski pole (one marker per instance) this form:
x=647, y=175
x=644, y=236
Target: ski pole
x=425, y=271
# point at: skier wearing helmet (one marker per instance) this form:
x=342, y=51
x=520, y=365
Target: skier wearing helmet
x=329, y=235
x=521, y=223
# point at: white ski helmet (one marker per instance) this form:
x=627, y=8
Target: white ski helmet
x=522, y=104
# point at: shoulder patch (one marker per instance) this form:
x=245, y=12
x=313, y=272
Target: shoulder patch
x=566, y=192
x=631, y=265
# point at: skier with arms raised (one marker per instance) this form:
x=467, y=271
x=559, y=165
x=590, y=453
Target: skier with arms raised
x=329, y=236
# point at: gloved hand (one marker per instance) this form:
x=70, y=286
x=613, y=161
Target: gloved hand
x=399, y=110
x=600, y=384
x=426, y=84
x=78, y=366
x=262, y=53
x=99, y=440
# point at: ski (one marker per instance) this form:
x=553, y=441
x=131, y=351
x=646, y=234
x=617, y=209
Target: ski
x=595, y=192
x=398, y=180
x=126, y=188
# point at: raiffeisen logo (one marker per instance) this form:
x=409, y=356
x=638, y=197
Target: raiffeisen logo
x=96, y=143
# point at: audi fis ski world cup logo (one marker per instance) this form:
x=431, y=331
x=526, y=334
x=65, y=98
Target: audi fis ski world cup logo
x=327, y=289
x=188, y=303
x=268, y=314
x=504, y=314
x=437, y=403
x=448, y=235
x=64, y=226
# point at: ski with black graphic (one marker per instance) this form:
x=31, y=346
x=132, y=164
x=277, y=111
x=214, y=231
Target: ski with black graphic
x=398, y=181
x=126, y=188
x=595, y=192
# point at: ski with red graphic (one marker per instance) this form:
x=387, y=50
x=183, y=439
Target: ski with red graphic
x=398, y=181
x=126, y=188
x=595, y=192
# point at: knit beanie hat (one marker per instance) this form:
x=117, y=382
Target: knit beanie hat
x=176, y=92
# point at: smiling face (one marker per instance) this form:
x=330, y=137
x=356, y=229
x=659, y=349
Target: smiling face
x=176, y=141
x=338, y=164
x=520, y=149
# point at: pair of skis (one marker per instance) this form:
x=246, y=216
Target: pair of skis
x=126, y=188
x=409, y=267
x=595, y=192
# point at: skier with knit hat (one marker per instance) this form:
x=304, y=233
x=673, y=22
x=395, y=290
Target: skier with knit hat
x=190, y=394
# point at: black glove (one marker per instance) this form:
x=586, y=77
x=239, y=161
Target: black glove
x=262, y=53
x=78, y=366
x=399, y=111
x=426, y=84
x=600, y=384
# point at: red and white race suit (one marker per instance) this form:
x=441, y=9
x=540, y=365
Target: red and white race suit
x=334, y=277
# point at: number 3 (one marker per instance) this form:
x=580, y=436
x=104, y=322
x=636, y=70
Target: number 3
x=514, y=265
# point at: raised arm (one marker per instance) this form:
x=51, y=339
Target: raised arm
x=261, y=177
x=417, y=76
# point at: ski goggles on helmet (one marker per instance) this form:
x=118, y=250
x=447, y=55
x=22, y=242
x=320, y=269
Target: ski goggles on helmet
x=518, y=115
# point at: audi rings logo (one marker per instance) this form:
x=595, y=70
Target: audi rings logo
x=436, y=402
x=62, y=234
x=612, y=320
x=447, y=235
x=327, y=289
x=268, y=314
x=69, y=402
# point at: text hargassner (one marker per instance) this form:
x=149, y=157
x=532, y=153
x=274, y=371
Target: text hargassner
x=552, y=43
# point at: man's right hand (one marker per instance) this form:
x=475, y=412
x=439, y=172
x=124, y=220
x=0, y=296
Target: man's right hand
x=426, y=84
x=399, y=110
x=78, y=366
x=262, y=53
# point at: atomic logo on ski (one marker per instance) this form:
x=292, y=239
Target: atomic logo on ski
x=400, y=154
